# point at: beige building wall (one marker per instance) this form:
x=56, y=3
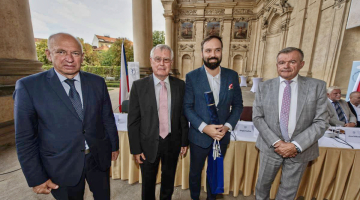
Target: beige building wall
x=315, y=26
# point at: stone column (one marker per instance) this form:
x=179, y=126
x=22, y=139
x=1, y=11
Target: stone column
x=142, y=32
x=17, y=58
x=169, y=23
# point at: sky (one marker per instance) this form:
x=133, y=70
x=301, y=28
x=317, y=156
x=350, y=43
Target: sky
x=85, y=18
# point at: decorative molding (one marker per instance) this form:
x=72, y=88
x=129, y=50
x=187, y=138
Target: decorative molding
x=11, y=67
x=281, y=9
x=187, y=47
x=243, y=11
x=339, y=3
x=263, y=37
x=214, y=11
x=239, y=47
x=187, y=12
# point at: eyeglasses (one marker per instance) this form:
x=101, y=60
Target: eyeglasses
x=159, y=59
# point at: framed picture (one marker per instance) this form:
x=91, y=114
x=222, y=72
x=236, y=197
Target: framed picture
x=186, y=30
x=240, y=30
x=213, y=28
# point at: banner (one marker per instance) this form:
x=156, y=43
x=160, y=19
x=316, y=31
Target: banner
x=134, y=72
x=354, y=79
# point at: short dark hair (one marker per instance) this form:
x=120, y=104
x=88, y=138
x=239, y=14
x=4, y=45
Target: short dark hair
x=291, y=49
x=208, y=38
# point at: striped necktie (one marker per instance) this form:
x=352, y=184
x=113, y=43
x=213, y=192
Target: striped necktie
x=339, y=112
x=75, y=98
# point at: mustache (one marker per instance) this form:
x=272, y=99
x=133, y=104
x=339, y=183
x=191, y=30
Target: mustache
x=213, y=58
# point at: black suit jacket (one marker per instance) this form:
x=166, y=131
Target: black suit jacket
x=143, y=120
x=354, y=112
x=50, y=137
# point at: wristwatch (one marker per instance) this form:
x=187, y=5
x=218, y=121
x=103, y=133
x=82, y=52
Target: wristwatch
x=297, y=149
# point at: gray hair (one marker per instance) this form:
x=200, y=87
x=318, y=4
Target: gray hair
x=331, y=88
x=161, y=47
x=291, y=49
x=53, y=36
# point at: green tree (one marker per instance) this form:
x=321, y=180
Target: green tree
x=40, y=51
x=91, y=57
x=158, y=37
x=112, y=57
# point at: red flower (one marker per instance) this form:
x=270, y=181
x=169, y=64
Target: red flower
x=231, y=86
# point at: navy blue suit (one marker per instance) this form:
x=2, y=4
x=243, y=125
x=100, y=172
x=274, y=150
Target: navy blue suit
x=229, y=109
x=50, y=136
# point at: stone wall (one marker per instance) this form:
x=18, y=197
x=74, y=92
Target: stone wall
x=315, y=26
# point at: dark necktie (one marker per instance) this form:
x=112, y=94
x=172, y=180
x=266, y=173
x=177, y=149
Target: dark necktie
x=75, y=98
x=339, y=112
x=285, y=111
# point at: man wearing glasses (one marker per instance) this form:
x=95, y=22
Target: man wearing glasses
x=157, y=128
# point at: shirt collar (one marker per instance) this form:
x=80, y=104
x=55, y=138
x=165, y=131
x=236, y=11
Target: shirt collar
x=294, y=80
x=217, y=75
x=157, y=81
x=63, y=78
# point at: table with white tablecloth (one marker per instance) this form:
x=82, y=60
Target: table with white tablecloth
x=333, y=175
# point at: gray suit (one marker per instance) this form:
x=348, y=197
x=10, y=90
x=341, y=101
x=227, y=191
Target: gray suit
x=334, y=119
x=311, y=124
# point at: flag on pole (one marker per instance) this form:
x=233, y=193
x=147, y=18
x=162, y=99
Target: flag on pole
x=124, y=79
x=357, y=85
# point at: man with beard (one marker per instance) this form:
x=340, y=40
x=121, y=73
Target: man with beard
x=224, y=83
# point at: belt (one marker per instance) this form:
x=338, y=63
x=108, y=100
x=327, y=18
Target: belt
x=86, y=151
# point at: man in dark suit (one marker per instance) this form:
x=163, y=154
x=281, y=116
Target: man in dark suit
x=224, y=83
x=354, y=105
x=157, y=128
x=64, y=126
x=290, y=113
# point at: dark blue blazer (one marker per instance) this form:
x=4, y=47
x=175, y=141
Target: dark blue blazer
x=50, y=136
x=229, y=107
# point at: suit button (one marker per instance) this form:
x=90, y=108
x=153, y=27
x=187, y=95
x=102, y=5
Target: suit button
x=84, y=131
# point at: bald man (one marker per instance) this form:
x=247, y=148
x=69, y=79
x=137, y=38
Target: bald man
x=64, y=126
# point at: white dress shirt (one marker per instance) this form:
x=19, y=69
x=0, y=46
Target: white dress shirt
x=214, y=82
x=157, y=86
x=66, y=87
x=357, y=110
x=293, y=104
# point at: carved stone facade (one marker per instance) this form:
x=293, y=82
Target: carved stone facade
x=253, y=32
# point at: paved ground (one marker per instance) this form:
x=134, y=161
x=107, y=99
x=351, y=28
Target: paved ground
x=13, y=185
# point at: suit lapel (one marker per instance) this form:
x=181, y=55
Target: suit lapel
x=56, y=85
x=274, y=98
x=151, y=94
x=223, y=86
x=203, y=80
x=85, y=91
x=174, y=92
x=302, y=96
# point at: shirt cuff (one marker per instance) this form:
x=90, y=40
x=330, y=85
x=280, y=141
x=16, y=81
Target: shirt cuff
x=202, y=126
x=275, y=143
x=297, y=144
x=229, y=126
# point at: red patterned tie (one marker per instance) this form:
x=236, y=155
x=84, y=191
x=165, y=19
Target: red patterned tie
x=163, y=111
